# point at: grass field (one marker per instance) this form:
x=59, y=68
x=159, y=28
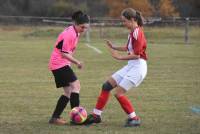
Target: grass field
x=163, y=101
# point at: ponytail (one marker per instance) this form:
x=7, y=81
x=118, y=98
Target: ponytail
x=139, y=19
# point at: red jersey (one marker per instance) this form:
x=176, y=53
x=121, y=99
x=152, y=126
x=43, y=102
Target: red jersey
x=137, y=43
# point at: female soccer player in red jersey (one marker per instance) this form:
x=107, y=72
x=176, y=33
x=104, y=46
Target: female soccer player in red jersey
x=128, y=77
x=60, y=61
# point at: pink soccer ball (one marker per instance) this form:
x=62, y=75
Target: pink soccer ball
x=78, y=115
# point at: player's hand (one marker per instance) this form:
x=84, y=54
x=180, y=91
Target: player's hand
x=79, y=65
x=109, y=44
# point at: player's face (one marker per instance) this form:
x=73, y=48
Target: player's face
x=127, y=23
x=83, y=27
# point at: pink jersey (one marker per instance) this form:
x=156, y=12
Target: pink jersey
x=66, y=43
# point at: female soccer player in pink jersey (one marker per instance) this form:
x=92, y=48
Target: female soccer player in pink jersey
x=131, y=75
x=60, y=62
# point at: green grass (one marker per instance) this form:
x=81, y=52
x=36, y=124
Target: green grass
x=163, y=101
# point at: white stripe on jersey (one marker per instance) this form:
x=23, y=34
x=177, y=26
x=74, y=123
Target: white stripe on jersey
x=130, y=48
x=135, y=33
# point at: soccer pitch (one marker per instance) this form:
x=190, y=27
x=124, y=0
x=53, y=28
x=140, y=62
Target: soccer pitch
x=164, y=101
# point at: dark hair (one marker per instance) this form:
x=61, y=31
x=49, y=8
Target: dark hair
x=130, y=13
x=80, y=18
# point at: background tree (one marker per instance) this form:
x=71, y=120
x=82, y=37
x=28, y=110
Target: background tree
x=188, y=8
x=116, y=7
x=25, y=7
x=40, y=7
x=166, y=8
x=9, y=7
x=99, y=8
x=142, y=5
x=195, y=8
x=67, y=7
x=155, y=4
x=64, y=8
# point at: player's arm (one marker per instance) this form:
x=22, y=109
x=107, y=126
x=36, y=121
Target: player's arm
x=126, y=57
x=117, y=56
x=66, y=51
x=118, y=48
x=72, y=59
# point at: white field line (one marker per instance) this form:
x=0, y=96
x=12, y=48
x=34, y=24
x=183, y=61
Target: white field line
x=94, y=48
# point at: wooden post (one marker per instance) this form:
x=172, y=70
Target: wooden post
x=186, y=30
x=88, y=35
x=101, y=30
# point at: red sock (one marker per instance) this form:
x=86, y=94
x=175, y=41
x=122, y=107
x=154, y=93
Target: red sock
x=125, y=104
x=102, y=99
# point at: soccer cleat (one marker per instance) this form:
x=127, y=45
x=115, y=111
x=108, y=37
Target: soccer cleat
x=57, y=121
x=72, y=123
x=134, y=122
x=92, y=118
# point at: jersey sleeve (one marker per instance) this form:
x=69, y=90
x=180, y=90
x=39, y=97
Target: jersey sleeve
x=138, y=41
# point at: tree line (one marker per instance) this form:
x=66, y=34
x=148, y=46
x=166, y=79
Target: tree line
x=99, y=8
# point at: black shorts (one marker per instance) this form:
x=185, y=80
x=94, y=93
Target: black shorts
x=64, y=76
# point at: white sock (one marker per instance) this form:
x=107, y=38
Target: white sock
x=97, y=112
x=132, y=115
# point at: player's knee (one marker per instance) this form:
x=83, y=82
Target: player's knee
x=120, y=91
x=67, y=94
x=76, y=88
x=117, y=95
x=107, y=86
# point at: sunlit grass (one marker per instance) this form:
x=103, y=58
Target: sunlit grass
x=28, y=94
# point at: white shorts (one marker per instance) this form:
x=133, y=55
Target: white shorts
x=131, y=75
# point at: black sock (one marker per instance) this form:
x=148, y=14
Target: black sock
x=61, y=104
x=74, y=100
